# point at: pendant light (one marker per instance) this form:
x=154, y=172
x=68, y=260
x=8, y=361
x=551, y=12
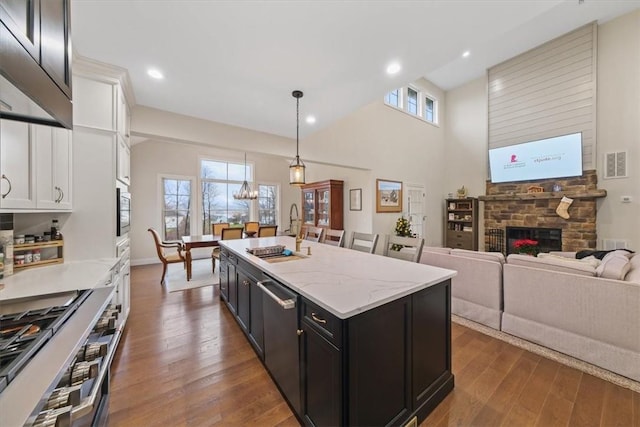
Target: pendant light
x=296, y=169
x=245, y=192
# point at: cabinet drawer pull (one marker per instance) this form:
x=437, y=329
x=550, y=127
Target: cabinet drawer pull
x=318, y=319
x=246, y=282
x=300, y=332
x=9, y=190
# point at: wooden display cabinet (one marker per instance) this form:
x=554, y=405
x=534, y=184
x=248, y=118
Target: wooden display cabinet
x=461, y=223
x=322, y=204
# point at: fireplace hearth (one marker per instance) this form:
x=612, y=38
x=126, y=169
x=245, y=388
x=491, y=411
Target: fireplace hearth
x=549, y=239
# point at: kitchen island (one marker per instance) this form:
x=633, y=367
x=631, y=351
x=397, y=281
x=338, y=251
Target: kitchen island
x=349, y=338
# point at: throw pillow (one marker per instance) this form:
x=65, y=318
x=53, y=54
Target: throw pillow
x=614, y=266
x=633, y=275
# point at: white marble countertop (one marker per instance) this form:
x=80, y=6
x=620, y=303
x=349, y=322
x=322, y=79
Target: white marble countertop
x=343, y=281
x=68, y=276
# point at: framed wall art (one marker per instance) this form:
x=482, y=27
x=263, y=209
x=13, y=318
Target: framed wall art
x=355, y=199
x=388, y=196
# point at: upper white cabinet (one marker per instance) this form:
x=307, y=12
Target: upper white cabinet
x=17, y=173
x=53, y=166
x=94, y=104
x=124, y=162
x=122, y=115
x=35, y=167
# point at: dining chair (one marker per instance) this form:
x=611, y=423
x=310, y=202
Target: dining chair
x=267, y=230
x=333, y=237
x=363, y=242
x=313, y=234
x=216, y=230
x=216, y=227
x=231, y=233
x=251, y=226
x=407, y=248
x=167, y=258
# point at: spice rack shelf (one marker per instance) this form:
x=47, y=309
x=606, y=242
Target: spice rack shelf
x=54, y=247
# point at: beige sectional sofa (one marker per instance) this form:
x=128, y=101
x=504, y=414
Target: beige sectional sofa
x=572, y=307
x=588, y=309
x=476, y=291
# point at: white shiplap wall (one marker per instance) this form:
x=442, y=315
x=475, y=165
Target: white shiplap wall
x=546, y=92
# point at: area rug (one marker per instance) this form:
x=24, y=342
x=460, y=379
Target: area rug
x=580, y=365
x=176, y=279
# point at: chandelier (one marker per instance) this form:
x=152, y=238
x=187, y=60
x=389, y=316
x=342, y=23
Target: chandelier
x=296, y=169
x=245, y=192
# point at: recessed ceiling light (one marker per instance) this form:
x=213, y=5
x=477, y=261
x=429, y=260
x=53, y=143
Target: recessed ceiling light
x=393, y=68
x=311, y=120
x=466, y=54
x=156, y=74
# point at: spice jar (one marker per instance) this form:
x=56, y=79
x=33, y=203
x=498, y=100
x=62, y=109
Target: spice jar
x=28, y=257
x=29, y=238
x=47, y=236
x=36, y=255
x=18, y=239
x=18, y=259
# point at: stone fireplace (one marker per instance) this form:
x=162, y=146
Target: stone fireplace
x=512, y=205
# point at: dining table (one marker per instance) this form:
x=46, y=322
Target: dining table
x=198, y=241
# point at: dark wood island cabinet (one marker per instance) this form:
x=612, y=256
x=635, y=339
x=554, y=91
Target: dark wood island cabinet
x=383, y=364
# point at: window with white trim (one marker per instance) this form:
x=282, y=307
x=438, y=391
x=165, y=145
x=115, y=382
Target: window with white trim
x=393, y=98
x=412, y=101
x=177, y=207
x=429, y=109
x=268, y=204
x=220, y=180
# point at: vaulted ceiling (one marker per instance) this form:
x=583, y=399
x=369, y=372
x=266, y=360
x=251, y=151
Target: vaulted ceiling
x=237, y=62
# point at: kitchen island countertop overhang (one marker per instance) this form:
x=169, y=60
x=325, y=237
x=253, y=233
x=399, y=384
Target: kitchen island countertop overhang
x=344, y=282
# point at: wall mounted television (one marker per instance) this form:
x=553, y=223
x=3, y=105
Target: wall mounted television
x=556, y=157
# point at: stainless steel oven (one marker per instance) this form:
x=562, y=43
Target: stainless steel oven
x=123, y=214
x=55, y=359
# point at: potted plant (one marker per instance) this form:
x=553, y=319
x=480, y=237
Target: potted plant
x=403, y=228
x=526, y=247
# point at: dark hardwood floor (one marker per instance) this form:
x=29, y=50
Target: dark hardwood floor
x=183, y=361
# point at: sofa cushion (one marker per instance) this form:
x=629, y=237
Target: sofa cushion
x=590, y=260
x=436, y=249
x=553, y=263
x=487, y=256
x=614, y=266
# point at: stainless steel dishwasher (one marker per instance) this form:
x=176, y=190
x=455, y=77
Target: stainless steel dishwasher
x=281, y=341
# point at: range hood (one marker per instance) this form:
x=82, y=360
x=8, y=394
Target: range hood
x=16, y=105
x=35, y=63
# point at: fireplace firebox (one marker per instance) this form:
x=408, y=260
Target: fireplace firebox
x=549, y=239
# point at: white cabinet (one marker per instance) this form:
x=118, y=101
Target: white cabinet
x=94, y=103
x=125, y=289
x=122, y=115
x=53, y=167
x=124, y=161
x=17, y=184
x=35, y=167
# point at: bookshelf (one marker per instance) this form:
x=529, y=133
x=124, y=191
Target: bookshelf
x=461, y=223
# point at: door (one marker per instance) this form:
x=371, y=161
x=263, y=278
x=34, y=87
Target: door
x=414, y=200
x=22, y=18
x=54, y=42
x=53, y=166
x=17, y=171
